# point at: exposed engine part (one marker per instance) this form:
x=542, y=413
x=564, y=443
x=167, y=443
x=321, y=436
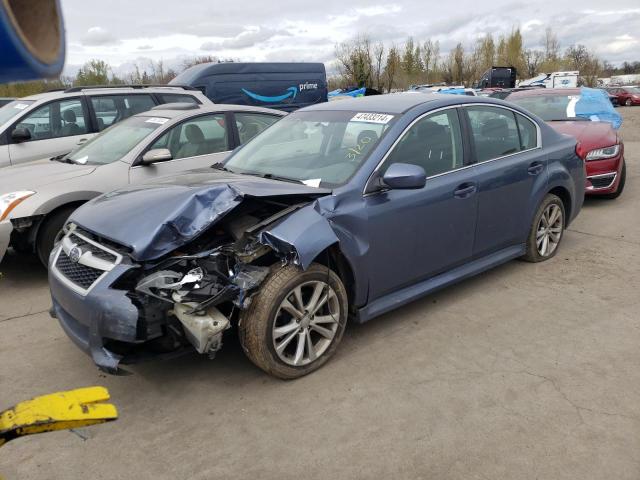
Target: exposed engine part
x=159, y=283
x=202, y=328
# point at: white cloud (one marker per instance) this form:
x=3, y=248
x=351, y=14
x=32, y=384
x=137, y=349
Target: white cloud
x=98, y=36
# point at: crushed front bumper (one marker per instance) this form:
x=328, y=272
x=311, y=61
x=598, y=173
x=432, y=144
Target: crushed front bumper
x=90, y=320
x=5, y=236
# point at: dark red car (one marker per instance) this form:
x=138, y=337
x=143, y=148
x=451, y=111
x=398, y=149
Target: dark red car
x=626, y=96
x=598, y=143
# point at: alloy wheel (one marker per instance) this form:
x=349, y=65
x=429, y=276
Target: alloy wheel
x=306, y=323
x=549, y=231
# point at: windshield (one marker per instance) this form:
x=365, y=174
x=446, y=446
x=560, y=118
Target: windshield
x=549, y=107
x=118, y=140
x=12, y=109
x=318, y=148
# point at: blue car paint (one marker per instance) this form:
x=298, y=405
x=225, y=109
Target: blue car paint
x=398, y=244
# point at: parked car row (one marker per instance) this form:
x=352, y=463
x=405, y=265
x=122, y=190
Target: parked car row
x=176, y=223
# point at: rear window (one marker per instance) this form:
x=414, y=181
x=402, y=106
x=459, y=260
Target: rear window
x=177, y=98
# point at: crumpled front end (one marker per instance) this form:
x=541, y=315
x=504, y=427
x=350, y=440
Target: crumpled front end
x=121, y=309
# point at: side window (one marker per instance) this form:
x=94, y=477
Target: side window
x=110, y=109
x=495, y=132
x=176, y=98
x=528, y=132
x=56, y=119
x=251, y=124
x=200, y=136
x=434, y=143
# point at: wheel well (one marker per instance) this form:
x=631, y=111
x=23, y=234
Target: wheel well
x=333, y=258
x=36, y=231
x=565, y=196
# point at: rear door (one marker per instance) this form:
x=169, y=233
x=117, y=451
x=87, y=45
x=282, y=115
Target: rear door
x=511, y=170
x=56, y=127
x=110, y=109
x=194, y=143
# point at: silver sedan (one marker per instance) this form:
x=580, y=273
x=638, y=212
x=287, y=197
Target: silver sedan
x=36, y=199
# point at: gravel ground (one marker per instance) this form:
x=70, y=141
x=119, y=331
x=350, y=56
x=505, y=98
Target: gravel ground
x=526, y=371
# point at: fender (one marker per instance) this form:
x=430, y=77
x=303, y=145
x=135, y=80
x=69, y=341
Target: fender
x=301, y=236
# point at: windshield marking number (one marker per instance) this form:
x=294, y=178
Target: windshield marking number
x=367, y=117
x=354, y=152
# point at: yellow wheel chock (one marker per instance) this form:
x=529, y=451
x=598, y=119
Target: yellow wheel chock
x=57, y=411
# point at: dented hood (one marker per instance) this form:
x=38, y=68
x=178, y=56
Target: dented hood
x=156, y=218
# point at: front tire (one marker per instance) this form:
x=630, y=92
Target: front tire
x=546, y=230
x=49, y=230
x=628, y=102
x=295, y=322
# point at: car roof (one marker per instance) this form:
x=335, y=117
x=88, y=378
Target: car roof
x=167, y=111
x=111, y=90
x=396, y=103
x=541, y=92
x=389, y=103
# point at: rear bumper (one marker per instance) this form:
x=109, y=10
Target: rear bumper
x=603, y=176
x=5, y=237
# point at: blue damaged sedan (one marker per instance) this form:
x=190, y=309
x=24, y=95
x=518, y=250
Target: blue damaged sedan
x=338, y=212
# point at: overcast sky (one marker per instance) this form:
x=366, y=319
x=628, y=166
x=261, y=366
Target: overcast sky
x=122, y=32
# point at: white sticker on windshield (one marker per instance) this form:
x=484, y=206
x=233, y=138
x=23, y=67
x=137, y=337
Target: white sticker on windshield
x=381, y=118
x=313, y=182
x=21, y=106
x=158, y=120
x=81, y=160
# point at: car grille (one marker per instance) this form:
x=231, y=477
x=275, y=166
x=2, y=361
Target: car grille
x=93, y=260
x=79, y=274
x=603, y=181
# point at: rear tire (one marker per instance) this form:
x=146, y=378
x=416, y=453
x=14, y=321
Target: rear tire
x=546, y=231
x=49, y=230
x=284, y=332
x=623, y=180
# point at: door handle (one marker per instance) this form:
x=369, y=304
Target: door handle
x=81, y=141
x=465, y=190
x=535, y=168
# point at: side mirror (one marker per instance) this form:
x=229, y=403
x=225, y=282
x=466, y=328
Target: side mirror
x=20, y=134
x=404, y=176
x=156, y=155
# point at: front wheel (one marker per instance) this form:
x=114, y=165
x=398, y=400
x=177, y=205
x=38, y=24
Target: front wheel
x=295, y=322
x=628, y=102
x=49, y=233
x=623, y=180
x=546, y=230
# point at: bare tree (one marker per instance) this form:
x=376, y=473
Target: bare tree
x=378, y=57
x=534, y=59
x=354, y=59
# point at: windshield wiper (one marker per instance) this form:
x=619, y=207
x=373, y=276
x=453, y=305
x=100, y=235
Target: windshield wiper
x=219, y=166
x=62, y=158
x=271, y=176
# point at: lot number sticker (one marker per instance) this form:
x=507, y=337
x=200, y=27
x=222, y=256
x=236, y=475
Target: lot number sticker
x=21, y=106
x=157, y=120
x=381, y=118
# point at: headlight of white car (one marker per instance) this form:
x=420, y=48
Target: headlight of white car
x=602, y=153
x=9, y=201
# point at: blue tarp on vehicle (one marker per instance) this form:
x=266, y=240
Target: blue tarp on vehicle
x=358, y=92
x=595, y=105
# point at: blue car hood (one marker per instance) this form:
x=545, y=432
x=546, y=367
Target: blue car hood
x=156, y=218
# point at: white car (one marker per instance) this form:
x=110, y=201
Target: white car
x=54, y=123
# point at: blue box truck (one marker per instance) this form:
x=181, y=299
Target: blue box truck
x=284, y=86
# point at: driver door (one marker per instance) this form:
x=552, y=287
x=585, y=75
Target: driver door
x=416, y=234
x=198, y=142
